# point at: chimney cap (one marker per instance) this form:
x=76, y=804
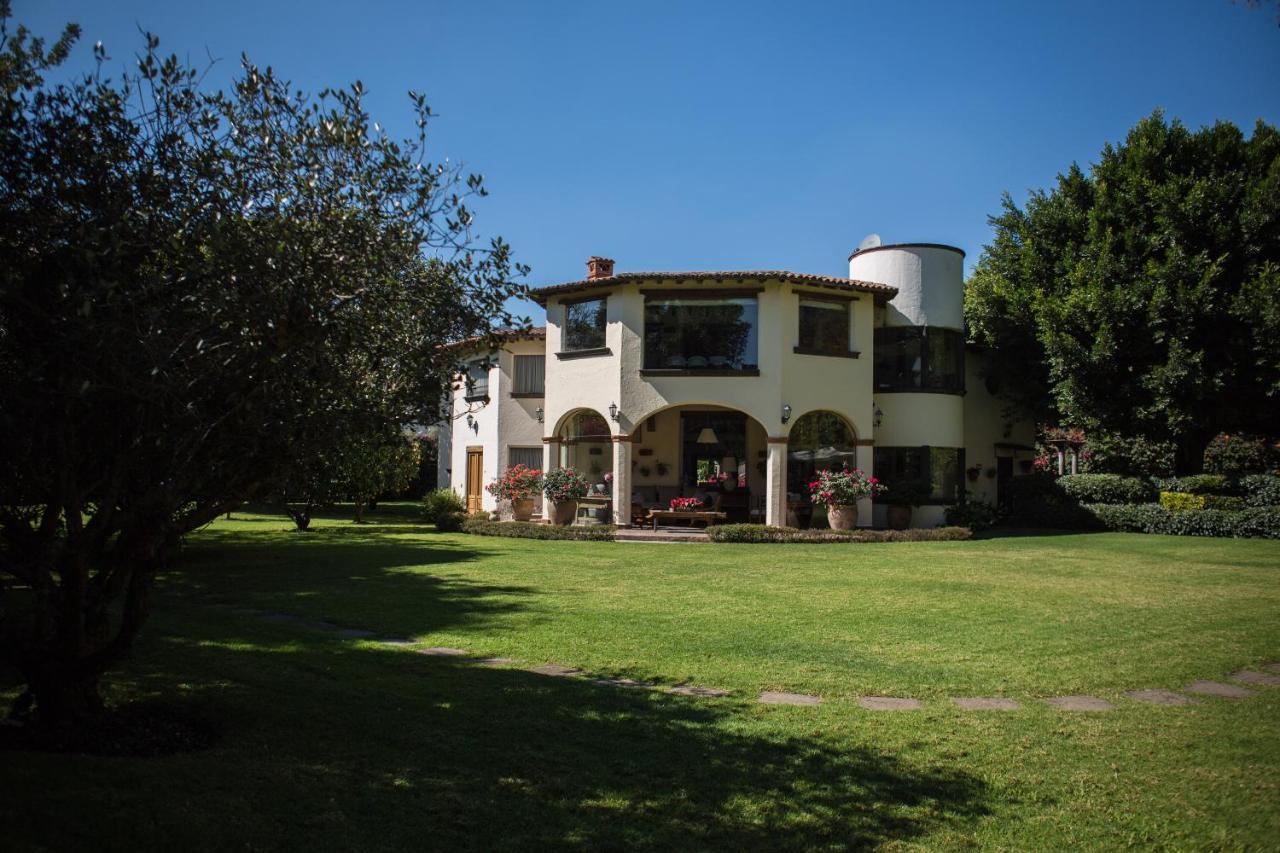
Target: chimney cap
x=599, y=267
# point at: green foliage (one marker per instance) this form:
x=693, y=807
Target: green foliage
x=760, y=533
x=1143, y=298
x=517, y=483
x=1261, y=489
x=479, y=524
x=564, y=484
x=440, y=502
x=1188, y=502
x=1197, y=484
x=1037, y=500
x=1108, y=453
x=198, y=288
x=372, y=465
x=450, y=521
x=1254, y=523
x=1106, y=489
x=1238, y=454
x=974, y=514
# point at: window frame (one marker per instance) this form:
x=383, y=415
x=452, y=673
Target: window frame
x=728, y=295
x=473, y=391
x=566, y=351
x=886, y=474
x=925, y=336
x=844, y=302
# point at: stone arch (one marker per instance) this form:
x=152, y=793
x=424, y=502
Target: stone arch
x=584, y=442
x=819, y=439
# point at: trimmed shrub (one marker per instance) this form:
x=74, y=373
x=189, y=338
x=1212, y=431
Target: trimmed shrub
x=478, y=525
x=1107, y=489
x=1256, y=523
x=449, y=522
x=760, y=533
x=1133, y=455
x=974, y=514
x=1236, y=454
x=1196, y=484
x=1181, y=501
x=439, y=502
x=1261, y=489
x=1037, y=500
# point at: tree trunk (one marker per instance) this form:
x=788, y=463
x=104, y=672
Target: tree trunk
x=63, y=696
x=359, y=511
x=301, y=517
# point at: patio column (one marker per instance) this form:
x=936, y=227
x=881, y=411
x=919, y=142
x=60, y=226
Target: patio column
x=622, y=480
x=775, y=499
x=864, y=457
x=550, y=453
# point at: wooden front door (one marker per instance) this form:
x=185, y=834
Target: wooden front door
x=475, y=476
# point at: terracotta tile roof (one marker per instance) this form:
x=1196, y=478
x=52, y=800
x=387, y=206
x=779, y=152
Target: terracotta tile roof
x=533, y=333
x=541, y=294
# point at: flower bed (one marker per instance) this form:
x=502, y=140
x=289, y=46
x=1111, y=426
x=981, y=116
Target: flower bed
x=761, y=533
x=479, y=524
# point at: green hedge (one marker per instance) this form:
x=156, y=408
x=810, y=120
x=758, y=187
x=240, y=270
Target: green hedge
x=440, y=502
x=449, y=522
x=1188, y=502
x=1107, y=489
x=1261, y=489
x=1255, y=523
x=479, y=524
x=757, y=533
x=974, y=514
x=1036, y=500
x=1198, y=484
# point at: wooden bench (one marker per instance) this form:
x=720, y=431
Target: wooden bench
x=705, y=516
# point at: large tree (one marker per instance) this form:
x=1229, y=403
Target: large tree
x=192, y=283
x=1142, y=298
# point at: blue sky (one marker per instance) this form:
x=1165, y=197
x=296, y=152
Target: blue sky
x=739, y=135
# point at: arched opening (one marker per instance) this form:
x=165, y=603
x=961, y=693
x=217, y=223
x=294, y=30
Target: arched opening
x=820, y=440
x=585, y=446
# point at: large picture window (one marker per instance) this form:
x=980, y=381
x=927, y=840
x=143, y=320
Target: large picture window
x=584, y=324
x=824, y=326
x=700, y=333
x=937, y=472
x=919, y=358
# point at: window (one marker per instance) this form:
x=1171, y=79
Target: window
x=916, y=358
x=530, y=457
x=530, y=371
x=584, y=324
x=824, y=326
x=819, y=441
x=697, y=333
x=477, y=382
x=937, y=472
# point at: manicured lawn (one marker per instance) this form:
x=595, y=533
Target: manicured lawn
x=340, y=744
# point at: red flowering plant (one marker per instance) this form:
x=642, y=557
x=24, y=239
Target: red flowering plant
x=564, y=484
x=517, y=483
x=685, y=504
x=844, y=487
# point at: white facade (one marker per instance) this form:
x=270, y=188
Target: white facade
x=640, y=396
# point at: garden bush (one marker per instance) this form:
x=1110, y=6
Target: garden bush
x=1237, y=454
x=1107, y=489
x=1189, y=502
x=1036, y=500
x=480, y=525
x=974, y=514
x=449, y=522
x=1133, y=455
x=761, y=533
x=1261, y=489
x=439, y=502
x=1255, y=523
x=1197, y=484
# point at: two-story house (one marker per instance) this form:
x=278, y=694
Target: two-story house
x=653, y=384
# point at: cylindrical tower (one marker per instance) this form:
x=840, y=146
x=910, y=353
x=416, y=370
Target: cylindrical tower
x=919, y=370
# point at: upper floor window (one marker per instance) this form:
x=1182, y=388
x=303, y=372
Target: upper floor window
x=824, y=326
x=477, y=381
x=700, y=333
x=919, y=358
x=584, y=324
x=530, y=373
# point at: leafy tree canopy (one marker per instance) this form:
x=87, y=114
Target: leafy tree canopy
x=1142, y=298
x=192, y=283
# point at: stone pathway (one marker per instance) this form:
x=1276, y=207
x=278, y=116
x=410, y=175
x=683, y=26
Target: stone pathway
x=1268, y=675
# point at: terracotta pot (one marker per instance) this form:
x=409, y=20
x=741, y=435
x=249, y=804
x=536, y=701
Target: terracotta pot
x=842, y=517
x=899, y=517
x=563, y=512
x=522, y=510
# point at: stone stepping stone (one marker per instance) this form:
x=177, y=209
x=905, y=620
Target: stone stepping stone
x=627, y=683
x=889, y=703
x=1250, y=677
x=705, y=692
x=1217, y=688
x=1079, y=703
x=395, y=641
x=355, y=634
x=492, y=661
x=773, y=697
x=554, y=669
x=985, y=703
x=1161, y=697
x=442, y=652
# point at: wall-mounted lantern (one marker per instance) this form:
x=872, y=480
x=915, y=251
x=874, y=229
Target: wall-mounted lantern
x=786, y=413
x=878, y=417
x=613, y=412
x=537, y=413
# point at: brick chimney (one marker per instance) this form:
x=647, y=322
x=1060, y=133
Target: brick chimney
x=598, y=267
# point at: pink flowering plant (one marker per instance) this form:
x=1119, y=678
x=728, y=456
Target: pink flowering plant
x=564, y=484
x=843, y=488
x=517, y=483
x=685, y=504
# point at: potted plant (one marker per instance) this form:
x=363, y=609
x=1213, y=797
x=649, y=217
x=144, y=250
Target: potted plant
x=519, y=484
x=686, y=504
x=563, y=488
x=840, y=491
x=973, y=471
x=901, y=500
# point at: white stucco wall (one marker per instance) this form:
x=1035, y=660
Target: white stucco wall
x=475, y=425
x=929, y=278
x=986, y=425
